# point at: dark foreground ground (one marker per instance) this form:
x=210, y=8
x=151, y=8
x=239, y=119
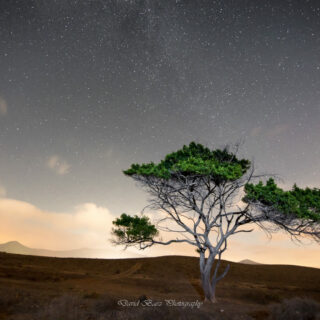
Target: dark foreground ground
x=90, y=289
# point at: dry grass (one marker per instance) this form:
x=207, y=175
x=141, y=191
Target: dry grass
x=59, y=288
x=68, y=307
x=62, y=308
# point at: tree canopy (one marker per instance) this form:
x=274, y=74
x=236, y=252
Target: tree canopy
x=194, y=159
x=134, y=229
x=301, y=203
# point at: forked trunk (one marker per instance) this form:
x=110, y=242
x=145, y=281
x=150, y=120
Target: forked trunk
x=209, y=283
x=209, y=290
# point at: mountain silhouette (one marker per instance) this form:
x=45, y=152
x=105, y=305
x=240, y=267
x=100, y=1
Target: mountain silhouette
x=108, y=253
x=248, y=261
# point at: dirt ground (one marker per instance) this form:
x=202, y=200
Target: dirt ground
x=34, y=287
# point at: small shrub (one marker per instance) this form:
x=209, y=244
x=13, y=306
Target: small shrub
x=143, y=298
x=295, y=309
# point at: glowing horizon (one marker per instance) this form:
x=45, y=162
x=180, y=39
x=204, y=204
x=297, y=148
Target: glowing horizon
x=89, y=226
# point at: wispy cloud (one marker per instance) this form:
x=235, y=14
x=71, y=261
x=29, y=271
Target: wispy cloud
x=3, y=107
x=255, y=132
x=88, y=225
x=3, y=191
x=271, y=132
x=277, y=130
x=58, y=165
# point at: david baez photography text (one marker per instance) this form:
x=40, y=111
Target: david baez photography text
x=168, y=303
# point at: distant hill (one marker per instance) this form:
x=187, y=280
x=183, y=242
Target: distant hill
x=108, y=253
x=248, y=261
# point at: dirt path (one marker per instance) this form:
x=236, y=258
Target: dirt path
x=126, y=273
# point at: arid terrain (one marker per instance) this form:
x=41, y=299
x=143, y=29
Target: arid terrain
x=33, y=287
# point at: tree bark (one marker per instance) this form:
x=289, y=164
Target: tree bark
x=209, y=288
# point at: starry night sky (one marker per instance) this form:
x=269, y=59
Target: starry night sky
x=89, y=87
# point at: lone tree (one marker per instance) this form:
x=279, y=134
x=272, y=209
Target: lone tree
x=208, y=195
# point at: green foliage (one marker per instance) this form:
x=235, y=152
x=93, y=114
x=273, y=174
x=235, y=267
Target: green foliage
x=134, y=229
x=303, y=203
x=194, y=159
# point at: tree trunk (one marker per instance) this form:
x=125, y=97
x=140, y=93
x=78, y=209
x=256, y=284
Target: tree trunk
x=209, y=287
x=209, y=290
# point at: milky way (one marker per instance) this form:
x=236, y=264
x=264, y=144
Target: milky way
x=88, y=87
